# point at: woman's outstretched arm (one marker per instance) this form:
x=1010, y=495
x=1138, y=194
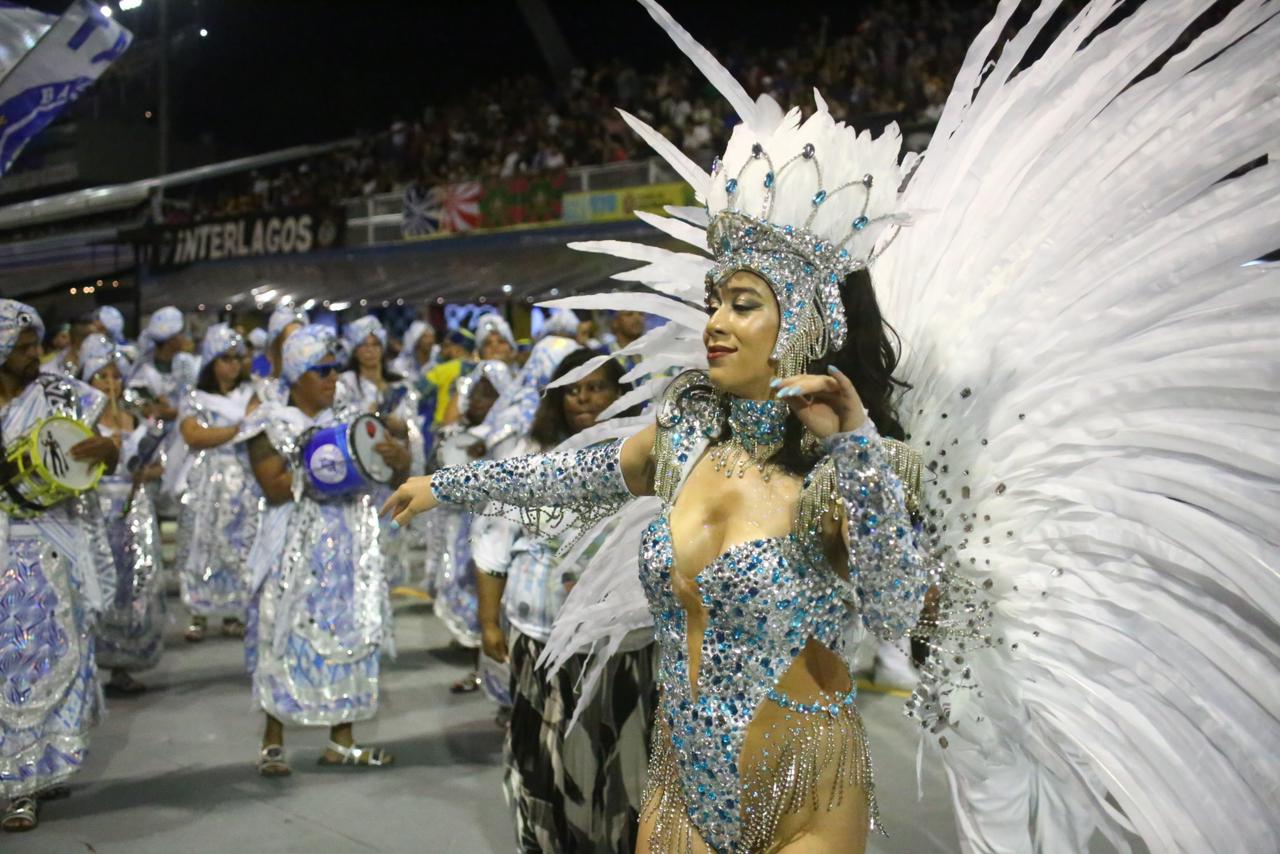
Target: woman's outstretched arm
x=601, y=474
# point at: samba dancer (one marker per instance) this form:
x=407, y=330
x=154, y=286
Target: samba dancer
x=456, y=359
x=320, y=615
x=450, y=577
x=284, y=321
x=220, y=504
x=66, y=360
x=163, y=338
x=1098, y=408
x=371, y=387
x=572, y=789
x=130, y=629
x=55, y=563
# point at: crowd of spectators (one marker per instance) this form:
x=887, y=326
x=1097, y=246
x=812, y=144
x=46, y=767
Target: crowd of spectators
x=896, y=64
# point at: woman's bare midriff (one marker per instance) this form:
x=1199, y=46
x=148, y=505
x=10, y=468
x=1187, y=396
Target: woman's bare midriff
x=711, y=515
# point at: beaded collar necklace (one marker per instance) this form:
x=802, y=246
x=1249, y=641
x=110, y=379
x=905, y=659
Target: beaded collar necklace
x=756, y=432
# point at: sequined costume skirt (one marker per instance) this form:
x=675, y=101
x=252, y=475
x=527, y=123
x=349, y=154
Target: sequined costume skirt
x=308, y=642
x=49, y=696
x=456, y=577
x=218, y=522
x=130, y=628
x=801, y=764
x=578, y=790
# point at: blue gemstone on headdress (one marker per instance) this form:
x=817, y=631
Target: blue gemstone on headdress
x=843, y=253
x=860, y=223
x=833, y=278
x=749, y=231
x=731, y=186
x=788, y=288
x=807, y=151
x=808, y=269
x=819, y=246
x=725, y=245
x=757, y=149
x=786, y=229
x=819, y=197
x=768, y=179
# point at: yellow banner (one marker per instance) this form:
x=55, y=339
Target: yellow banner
x=605, y=205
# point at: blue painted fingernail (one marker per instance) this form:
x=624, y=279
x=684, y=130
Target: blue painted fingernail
x=775, y=382
x=395, y=526
x=832, y=369
x=789, y=391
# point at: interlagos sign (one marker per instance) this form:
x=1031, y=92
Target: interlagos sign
x=286, y=232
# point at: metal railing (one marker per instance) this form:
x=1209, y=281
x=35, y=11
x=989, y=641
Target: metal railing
x=376, y=219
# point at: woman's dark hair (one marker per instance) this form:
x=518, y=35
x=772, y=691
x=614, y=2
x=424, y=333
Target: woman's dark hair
x=868, y=359
x=207, y=382
x=550, y=427
x=388, y=375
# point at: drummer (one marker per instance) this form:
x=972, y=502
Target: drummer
x=320, y=612
x=371, y=387
x=163, y=339
x=52, y=579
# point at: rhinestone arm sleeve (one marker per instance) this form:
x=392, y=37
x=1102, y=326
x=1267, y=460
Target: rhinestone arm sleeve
x=591, y=477
x=887, y=565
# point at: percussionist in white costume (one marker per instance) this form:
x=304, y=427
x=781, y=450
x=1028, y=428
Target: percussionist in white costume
x=56, y=562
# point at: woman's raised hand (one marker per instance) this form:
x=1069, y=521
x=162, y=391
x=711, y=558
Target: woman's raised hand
x=826, y=405
x=413, y=497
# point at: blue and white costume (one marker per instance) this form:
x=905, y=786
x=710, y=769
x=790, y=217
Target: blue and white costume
x=57, y=574
x=399, y=400
x=450, y=577
x=130, y=629
x=321, y=614
x=220, y=501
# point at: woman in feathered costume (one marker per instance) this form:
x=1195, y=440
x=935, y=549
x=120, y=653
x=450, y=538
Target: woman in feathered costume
x=1081, y=328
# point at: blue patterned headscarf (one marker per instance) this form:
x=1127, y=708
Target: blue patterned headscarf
x=113, y=321
x=358, y=330
x=219, y=339
x=561, y=321
x=163, y=325
x=96, y=352
x=14, y=318
x=282, y=317
x=492, y=322
x=305, y=349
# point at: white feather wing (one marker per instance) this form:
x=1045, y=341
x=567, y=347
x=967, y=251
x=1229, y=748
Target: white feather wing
x=1097, y=391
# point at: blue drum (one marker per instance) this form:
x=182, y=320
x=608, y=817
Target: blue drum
x=342, y=458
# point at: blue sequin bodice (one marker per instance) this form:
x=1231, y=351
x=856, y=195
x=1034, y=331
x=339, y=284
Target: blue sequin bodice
x=763, y=599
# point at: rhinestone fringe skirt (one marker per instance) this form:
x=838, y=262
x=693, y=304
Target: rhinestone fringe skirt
x=808, y=762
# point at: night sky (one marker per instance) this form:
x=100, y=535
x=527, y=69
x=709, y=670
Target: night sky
x=274, y=73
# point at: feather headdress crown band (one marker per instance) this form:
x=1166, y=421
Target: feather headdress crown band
x=802, y=205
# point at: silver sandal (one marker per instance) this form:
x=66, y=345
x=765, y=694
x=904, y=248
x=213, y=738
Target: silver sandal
x=21, y=815
x=355, y=755
x=271, y=762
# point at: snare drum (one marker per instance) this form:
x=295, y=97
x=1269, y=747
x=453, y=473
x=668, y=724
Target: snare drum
x=40, y=471
x=341, y=459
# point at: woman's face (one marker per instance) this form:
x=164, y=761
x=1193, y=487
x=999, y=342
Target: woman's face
x=587, y=398
x=482, y=398
x=61, y=340
x=108, y=381
x=369, y=353
x=742, y=327
x=422, y=348
x=226, y=370
x=496, y=347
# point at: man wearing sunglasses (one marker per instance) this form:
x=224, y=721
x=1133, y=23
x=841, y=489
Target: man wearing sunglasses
x=320, y=611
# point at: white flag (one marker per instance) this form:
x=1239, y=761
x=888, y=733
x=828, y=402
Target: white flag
x=65, y=61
